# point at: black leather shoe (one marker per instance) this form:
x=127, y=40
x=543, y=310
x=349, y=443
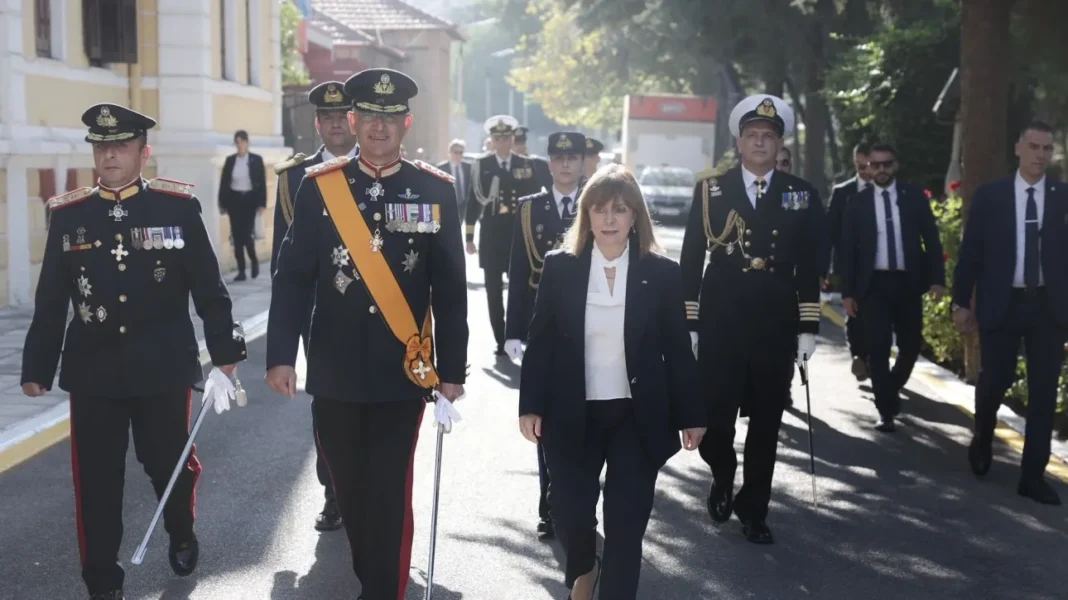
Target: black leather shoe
x=860, y=368
x=546, y=531
x=255, y=270
x=720, y=501
x=112, y=595
x=980, y=456
x=184, y=555
x=240, y=277
x=885, y=425
x=1039, y=491
x=500, y=351
x=757, y=532
x=330, y=518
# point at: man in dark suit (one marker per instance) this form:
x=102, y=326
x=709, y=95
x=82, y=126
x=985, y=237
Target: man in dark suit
x=461, y=174
x=755, y=308
x=243, y=195
x=543, y=220
x=1015, y=256
x=332, y=105
x=542, y=175
x=891, y=254
x=498, y=181
x=835, y=215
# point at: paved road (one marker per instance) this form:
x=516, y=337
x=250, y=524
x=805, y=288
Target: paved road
x=899, y=516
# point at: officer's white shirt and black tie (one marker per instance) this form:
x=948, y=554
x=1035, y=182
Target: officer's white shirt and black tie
x=755, y=185
x=889, y=250
x=1030, y=202
x=565, y=203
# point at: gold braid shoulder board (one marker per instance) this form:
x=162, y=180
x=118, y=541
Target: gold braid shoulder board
x=285, y=196
x=536, y=260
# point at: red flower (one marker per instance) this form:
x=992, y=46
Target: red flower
x=928, y=194
x=954, y=186
x=945, y=257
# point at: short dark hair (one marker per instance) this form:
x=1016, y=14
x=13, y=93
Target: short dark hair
x=241, y=134
x=862, y=148
x=786, y=149
x=883, y=147
x=1036, y=125
x=143, y=140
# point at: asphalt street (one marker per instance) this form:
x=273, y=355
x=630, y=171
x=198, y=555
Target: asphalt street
x=899, y=516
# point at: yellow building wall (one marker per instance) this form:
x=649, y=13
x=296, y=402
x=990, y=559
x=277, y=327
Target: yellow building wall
x=233, y=113
x=36, y=222
x=84, y=178
x=50, y=101
x=265, y=49
x=29, y=38
x=148, y=37
x=241, y=43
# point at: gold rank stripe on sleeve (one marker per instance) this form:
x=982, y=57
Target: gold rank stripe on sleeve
x=172, y=187
x=328, y=166
x=381, y=283
x=69, y=198
x=693, y=309
x=810, y=311
x=289, y=163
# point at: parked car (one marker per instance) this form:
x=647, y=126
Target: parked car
x=668, y=191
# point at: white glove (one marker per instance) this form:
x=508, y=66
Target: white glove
x=445, y=412
x=806, y=347
x=514, y=349
x=693, y=342
x=218, y=390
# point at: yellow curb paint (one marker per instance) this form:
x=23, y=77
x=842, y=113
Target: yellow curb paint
x=1009, y=436
x=34, y=445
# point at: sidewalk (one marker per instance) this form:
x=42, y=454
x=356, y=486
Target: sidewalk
x=952, y=390
x=29, y=425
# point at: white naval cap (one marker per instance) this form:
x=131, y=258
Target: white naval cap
x=762, y=107
x=500, y=124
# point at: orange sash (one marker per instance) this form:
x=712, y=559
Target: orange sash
x=378, y=277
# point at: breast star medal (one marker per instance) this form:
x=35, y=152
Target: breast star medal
x=342, y=281
x=85, y=313
x=84, y=287
x=411, y=259
x=340, y=256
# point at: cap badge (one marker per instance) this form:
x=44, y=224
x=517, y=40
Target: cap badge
x=384, y=87
x=563, y=143
x=333, y=95
x=105, y=119
x=589, y=144
x=766, y=109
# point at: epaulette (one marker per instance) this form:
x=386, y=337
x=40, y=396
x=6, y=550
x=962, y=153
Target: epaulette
x=325, y=167
x=436, y=172
x=69, y=198
x=706, y=174
x=290, y=162
x=172, y=187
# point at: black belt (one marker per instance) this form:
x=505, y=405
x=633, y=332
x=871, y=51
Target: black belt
x=758, y=263
x=1028, y=293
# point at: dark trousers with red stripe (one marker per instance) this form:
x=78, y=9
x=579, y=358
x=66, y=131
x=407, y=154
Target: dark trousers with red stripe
x=99, y=435
x=369, y=449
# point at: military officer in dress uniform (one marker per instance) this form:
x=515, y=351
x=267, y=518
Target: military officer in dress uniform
x=377, y=238
x=755, y=308
x=498, y=180
x=542, y=175
x=593, y=157
x=126, y=255
x=331, y=121
x=543, y=220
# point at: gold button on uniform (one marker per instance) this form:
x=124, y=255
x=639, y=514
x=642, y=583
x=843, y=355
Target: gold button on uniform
x=774, y=232
x=122, y=266
x=122, y=329
x=372, y=309
x=748, y=232
x=122, y=297
x=747, y=243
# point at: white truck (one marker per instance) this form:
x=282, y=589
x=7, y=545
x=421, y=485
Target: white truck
x=667, y=130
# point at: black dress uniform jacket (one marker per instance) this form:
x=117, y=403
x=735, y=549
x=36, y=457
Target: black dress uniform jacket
x=538, y=230
x=352, y=354
x=762, y=284
x=836, y=210
x=497, y=215
x=131, y=333
x=660, y=364
x=290, y=174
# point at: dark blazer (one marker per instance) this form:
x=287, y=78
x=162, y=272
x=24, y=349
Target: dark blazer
x=290, y=176
x=987, y=261
x=660, y=362
x=919, y=236
x=465, y=167
x=836, y=216
x=258, y=174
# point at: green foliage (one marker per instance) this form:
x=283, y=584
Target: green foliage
x=945, y=346
x=293, y=71
x=885, y=86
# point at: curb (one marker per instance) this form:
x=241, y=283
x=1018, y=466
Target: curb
x=949, y=388
x=36, y=434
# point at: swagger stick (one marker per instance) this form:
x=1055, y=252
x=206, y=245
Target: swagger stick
x=811, y=452
x=434, y=513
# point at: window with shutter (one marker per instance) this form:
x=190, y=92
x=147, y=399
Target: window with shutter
x=110, y=31
x=248, y=42
x=42, y=20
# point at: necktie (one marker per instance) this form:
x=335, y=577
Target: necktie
x=504, y=165
x=761, y=185
x=566, y=203
x=1031, y=256
x=891, y=237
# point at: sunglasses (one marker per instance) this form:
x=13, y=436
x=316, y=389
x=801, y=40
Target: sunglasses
x=881, y=164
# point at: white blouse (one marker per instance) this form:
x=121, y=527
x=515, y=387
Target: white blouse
x=606, y=363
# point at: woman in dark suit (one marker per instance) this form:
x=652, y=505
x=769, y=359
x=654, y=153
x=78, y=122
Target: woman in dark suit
x=608, y=377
